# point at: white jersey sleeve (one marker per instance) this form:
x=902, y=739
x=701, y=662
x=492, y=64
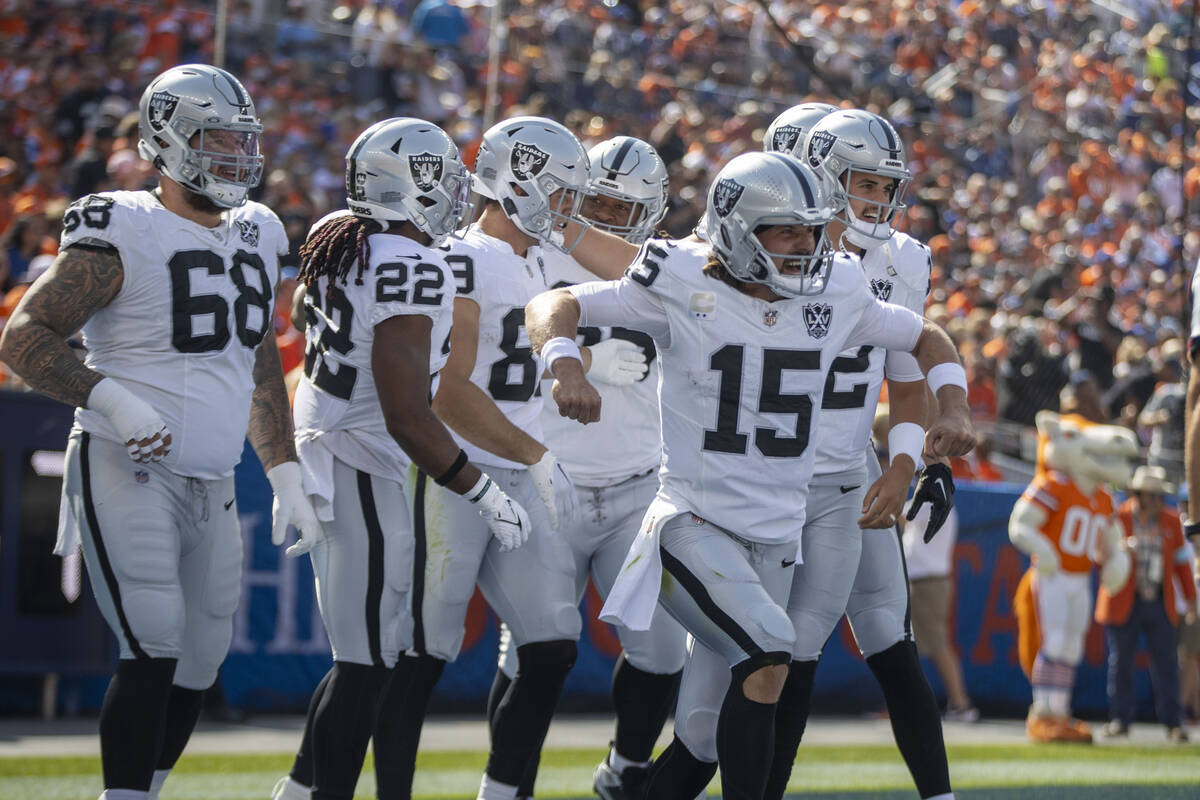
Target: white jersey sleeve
x=337, y=402
x=625, y=440
x=182, y=331
x=1194, y=333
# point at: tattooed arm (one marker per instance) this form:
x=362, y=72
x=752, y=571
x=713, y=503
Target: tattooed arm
x=82, y=280
x=270, y=429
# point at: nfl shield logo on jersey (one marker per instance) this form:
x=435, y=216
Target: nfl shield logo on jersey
x=770, y=317
x=725, y=196
x=785, y=138
x=426, y=170
x=162, y=107
x=881, y=289
x=527, y=160
x=816, y=319
x=248, y=231
x=819, y=145
x=141, y=476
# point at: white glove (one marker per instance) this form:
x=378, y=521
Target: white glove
x=505, y=517
x=554, y=486
x=140, y=427
x=291, y=507
x=1047, y=562
x=618, y=362
x=1115, y=571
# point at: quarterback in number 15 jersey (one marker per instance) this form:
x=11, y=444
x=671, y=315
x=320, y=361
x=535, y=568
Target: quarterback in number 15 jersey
x=742, y=379
x=181, y=333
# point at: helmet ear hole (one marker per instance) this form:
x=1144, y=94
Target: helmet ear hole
x=426, y=201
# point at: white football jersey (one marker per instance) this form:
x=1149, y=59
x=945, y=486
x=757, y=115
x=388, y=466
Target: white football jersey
x=897, y=272
x=336, y=401
x=1194, y=333
x=741, y=379
x=181, y=333
x=500, y=282
x=626, y=440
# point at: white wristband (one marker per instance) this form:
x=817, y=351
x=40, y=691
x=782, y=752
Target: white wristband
x=560, y=347
x=476, y=492
x=948, y=373
x=908, y=439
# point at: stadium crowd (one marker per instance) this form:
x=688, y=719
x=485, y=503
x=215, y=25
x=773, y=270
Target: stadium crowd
x=1046, y=139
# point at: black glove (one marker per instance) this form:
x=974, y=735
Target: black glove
x=935, y=486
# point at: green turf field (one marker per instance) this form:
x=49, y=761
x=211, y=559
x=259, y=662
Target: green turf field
x=994, y=772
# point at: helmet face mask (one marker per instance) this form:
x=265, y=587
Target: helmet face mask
x=408, y=170
x=537, y=171
x=844, y=147
x=626, y=172
x=198, y=127
x=755, y=191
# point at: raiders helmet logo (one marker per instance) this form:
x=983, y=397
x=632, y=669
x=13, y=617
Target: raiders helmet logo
x=426, y=170
x=784, y=140
x=248, y=231
x=819, y=145
x=816, y=319
x=725, y=196
x=161, y=109
x=881, y=289
x=527, y=160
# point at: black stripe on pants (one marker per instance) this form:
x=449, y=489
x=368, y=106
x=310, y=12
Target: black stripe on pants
x=366, y=497
x=93, y=524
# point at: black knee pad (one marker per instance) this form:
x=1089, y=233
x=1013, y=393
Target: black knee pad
x=546, y=658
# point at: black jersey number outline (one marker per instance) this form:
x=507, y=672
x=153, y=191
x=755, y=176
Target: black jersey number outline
x=729, y=361
x=499, y=385
x=856, y=395
x=328, y=329
x=190, y=307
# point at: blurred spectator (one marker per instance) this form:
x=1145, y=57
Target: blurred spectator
x=23, y=242
x=930, y=575
x=1146, y=604
x=1165, y=411
x=440, y=23
x=1029, y=378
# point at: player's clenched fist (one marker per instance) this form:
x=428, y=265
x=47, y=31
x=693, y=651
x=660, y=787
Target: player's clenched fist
x=951, y=435
x=576, y=398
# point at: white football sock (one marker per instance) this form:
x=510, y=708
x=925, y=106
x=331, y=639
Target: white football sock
x=619, y=762
x=946, y=796
x=156, y=783
x=492, y=789
x=290, y=789
x=123, y=794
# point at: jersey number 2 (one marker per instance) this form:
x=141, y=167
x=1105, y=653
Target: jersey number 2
x=729, y=362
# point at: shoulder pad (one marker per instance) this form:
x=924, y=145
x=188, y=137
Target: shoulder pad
x=911, y=261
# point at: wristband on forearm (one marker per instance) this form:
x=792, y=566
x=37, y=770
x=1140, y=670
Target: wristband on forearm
x=455, y=468
x=560, y=347
x=906, y=438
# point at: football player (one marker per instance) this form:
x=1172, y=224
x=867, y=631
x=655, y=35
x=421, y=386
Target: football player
x=378, y=304
x=173, y=289
x=532, y=173
x=613, y=464
x=746, y=330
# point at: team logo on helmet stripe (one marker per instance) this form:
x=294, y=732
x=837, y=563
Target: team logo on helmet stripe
x=785, y=138
x=816, y=319
x=161, y=109
x=881, y=289
x=426, y=170
x=725, y=196
x=527, y=160
x=819, y=145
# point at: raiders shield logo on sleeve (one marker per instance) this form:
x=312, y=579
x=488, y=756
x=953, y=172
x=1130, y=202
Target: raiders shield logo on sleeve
x=248, y=231
x=816, y=319
x=785, y=138
x=426, y=170
x=819, y=145
x=725, y=196
x=161, y=109
x=527, y=160
x=881, y=289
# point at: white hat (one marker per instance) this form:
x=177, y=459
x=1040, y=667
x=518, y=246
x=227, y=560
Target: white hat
x=1152, y=480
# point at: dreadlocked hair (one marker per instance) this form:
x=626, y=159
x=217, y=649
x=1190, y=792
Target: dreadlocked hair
x=714, y=268
x=332, y=249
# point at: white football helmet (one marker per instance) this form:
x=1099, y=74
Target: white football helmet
x=522, y=162
x=408, y=169
x=757, y=189
x=859, y=141
x=181, y=119
x=786, y=132
x=630, y=170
